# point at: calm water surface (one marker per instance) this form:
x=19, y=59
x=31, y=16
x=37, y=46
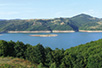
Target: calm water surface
x=63, y=40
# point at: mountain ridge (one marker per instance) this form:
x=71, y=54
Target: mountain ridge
x=75, y=23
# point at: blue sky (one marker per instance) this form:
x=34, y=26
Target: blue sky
x=45, y=9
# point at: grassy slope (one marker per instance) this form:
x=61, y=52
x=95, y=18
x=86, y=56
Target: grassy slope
x=9, y=62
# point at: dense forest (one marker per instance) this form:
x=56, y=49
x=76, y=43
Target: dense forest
x=87, y=55
x=76, y=23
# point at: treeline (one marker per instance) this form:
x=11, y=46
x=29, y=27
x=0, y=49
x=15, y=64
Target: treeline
x=87, y=55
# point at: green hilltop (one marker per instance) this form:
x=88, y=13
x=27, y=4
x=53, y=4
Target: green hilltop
x=76, y=23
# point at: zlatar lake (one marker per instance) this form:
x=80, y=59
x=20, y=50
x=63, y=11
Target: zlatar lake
x=61, y=40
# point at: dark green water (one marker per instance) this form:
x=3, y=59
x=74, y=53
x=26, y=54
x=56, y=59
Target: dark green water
x=63, y=40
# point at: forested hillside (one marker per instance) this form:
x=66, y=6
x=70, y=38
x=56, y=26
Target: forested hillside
x=76, y=23
x=87, y=55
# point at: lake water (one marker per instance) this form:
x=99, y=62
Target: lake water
x=63, y=40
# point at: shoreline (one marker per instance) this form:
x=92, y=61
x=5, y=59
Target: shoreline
x=54, y=31
x=64, y=31
x=90, y=31
x=28, y=31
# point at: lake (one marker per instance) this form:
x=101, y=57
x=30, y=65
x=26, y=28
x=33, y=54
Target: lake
x=63, y=40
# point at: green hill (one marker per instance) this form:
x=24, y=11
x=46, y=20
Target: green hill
x=76, y=23
x=87, y=55
x=86, y=22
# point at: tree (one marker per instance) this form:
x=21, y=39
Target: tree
x=36, y=54
x=20, y=49
x=40, y=53
x=30, y=54
x=49, y=57
x=57, y=56
x=11, y=51
x=3, y=48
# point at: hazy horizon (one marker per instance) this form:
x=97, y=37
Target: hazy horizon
x=44, y=18
x=46, y=9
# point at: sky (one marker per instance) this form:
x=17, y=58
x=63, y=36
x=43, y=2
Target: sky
x=46, y=9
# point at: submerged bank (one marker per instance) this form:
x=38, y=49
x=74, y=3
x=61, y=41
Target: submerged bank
x=45, y=35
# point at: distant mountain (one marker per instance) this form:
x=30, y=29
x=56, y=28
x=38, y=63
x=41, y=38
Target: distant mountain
x=2, y=19
x=86, y=22
x=76, y=23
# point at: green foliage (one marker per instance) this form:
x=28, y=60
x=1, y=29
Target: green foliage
x=53, y=65
x=3, y=48
x=11, y=49
x=30, y=54
x=20, y=49
x=40, y=65
x=87, y=55
x=95, y=61
x=40, y=53
x=63, y=65
x=35, y=53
